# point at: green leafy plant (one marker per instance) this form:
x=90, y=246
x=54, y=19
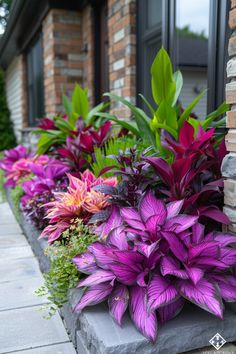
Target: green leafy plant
x=7, y=135
x=166, y=88
x=65, y=126
x=2, y=181
x=106, y=156
x=16, y=194
x=63, y=274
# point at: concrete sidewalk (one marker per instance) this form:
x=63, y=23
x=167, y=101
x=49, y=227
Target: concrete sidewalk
x=23, y=329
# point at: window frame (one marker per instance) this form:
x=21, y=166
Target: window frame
x=35, y=90
x=217, y=44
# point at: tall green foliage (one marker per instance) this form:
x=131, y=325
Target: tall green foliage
x=75, y=108
x=7, y=136
x=166, y=88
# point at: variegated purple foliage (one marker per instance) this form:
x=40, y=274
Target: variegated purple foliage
x=39, y=191
x=152, y=261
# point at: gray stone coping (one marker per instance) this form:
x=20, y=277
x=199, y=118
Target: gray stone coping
x=94, y=331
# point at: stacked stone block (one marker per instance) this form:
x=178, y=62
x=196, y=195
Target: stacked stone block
x=229, y=162
x=122, y=52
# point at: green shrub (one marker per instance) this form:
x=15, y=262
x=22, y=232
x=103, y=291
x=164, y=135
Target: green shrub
x=7, y=136
x=16, y=194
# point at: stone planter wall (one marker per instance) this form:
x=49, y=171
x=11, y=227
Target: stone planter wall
x=229, y=162
x=94, y=331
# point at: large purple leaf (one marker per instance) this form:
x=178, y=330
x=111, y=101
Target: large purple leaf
x=204, y=249
x=102, y=253
x=132, y=218
x=204, y=294
x=113, y=221
x=228, y=256
x=125, y=274
x=94, y=295
x=176, y=245
x=98, y=277
x=186, y=135
x=227, y=291
x=162, y=168
x=169, y=266
x=197, y=233
x=174, y=208
x=207, y=262
x=225, y=239
x=85, y=263
x=214, y=213
x=117, y=238
x=160, y=292
x=118, y=302
x=145, y=322
x=180, y=223
x=168, y=312
x=150, y=206
x=195, y=274
x=146, y=249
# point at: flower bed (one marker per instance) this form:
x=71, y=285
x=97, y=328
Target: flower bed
x=133, y=215
x=94, y=331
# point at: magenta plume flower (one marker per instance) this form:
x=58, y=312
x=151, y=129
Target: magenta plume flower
x=16, y=164
x=152, y=261
x=80, y=200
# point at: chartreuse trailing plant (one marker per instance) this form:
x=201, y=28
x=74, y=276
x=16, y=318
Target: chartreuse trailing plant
x=154, y=260
x=63, y=274
x=167, y=115
x=55, y=131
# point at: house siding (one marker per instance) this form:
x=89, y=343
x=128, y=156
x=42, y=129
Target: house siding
x=195, y=82
x=14, y=93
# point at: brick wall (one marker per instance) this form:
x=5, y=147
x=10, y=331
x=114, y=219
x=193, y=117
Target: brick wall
x=63, y=56
x=229, y=162
x=122, y=52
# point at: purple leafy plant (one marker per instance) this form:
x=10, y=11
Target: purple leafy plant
x=40, y=190
x=152, y=261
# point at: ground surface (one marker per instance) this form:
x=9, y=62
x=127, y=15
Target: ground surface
x=23, y=330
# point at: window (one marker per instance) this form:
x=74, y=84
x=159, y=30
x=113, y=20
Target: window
x=194, y=33
x=149, y=25
x=35, y=89
x=101, y=50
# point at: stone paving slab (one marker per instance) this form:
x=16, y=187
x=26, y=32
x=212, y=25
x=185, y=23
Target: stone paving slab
x=18, y=269
x=226, y=349
x=7, y=219
x=9, y=229
x=20, y=293
x=26, y=328
x=16, y=252
x=65, y=348
x=14, y=240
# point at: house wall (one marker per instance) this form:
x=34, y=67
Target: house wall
x=229, y=162
x=63, y=59
x=15, y=92
x=122, y=52
x=195, y=82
